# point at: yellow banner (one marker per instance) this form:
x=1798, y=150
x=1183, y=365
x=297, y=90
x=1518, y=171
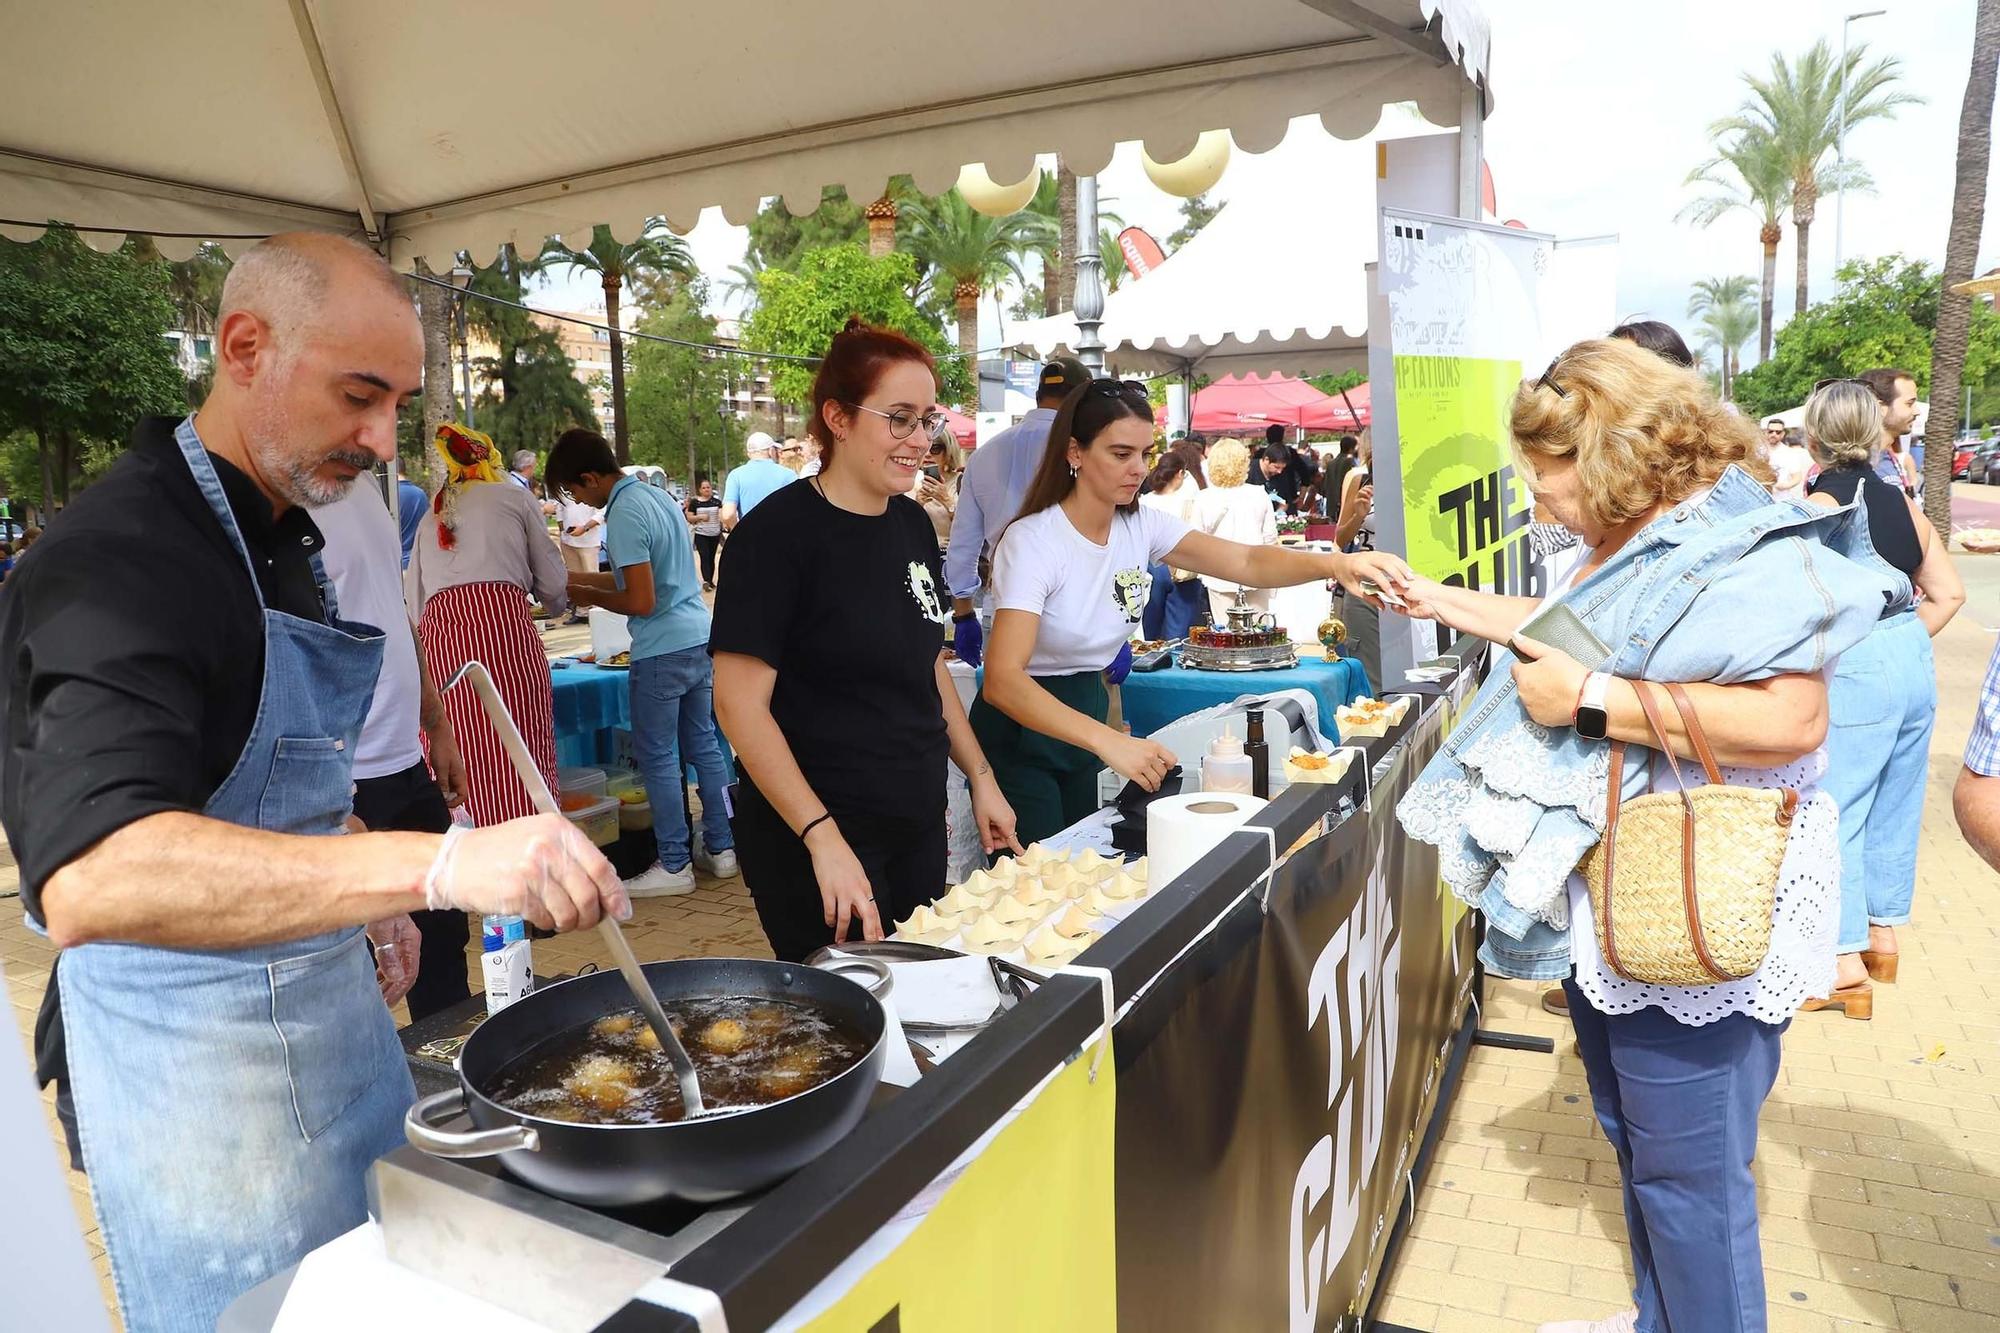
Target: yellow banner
x=1026, y=1238
x=1465, y=512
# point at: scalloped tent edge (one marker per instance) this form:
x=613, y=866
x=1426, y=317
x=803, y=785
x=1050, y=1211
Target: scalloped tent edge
x=362, y=153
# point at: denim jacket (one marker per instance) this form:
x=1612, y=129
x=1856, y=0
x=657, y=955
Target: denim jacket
x=1732, y=586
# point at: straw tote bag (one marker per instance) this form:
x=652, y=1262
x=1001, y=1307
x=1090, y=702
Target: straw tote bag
x=1684, y=883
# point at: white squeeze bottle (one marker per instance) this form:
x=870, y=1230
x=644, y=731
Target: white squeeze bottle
x=506, y=961
x=1226, y=767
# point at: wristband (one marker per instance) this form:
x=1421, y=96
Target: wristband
x=960, y=617
x=434, y=895
x=814, y=824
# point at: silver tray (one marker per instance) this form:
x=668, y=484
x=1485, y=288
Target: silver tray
x=1014, y=984
x=1277, y=658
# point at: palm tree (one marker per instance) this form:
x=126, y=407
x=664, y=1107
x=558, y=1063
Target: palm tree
x=1727, y=310
x=644, y=259
x=1748, y=173
x=1115, y=268
x=1797, y=107
x=435, y=308
x=972, y=252
x=1055, y=200
x=1961, y=247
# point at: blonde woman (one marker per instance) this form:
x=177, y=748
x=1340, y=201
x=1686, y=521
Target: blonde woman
x=1883, y=697
x=937, y=484
x=1236, y=512
x=1694, y=574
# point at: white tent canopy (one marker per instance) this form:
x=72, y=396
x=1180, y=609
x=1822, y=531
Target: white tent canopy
x=1276, y=282
x=466, y=124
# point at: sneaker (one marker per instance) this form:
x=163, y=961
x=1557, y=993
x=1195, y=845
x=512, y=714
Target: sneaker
x=720, y=865
x=660, y=882
x=1625, y=1321
x=1556, y=1001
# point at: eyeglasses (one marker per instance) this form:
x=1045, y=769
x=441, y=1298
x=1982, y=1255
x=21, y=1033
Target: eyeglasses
x=1547, y=381
x=1111, y=388
x=1842, y=379
x=902, y=421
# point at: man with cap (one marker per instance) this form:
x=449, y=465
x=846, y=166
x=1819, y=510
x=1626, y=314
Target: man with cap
x=748, y=485
x=996, y=477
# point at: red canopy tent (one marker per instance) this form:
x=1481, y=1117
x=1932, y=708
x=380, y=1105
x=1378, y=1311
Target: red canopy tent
x=1242, y=405
x=963, y=428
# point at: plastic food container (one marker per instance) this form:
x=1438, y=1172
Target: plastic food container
x=618, y=781
x=595, y=816
x=635, y=814
x=585, y=781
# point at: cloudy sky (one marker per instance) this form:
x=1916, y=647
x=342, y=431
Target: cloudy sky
x=1601, y=110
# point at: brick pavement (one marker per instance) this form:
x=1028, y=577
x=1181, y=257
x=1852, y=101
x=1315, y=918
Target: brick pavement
x=1879, y=1163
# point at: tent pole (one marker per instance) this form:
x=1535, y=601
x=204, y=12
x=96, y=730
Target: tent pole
x=1088, y=302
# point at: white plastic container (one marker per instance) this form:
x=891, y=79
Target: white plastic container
x=1226, y=768
x=618, y=781
x=587, y=780
x=598, y=820
x=634, y=814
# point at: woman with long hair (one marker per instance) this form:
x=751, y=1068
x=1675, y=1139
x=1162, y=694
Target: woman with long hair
x=704, y=512
x=1176, y=603
x=479, y=554
x=1695, y=576
x=937, y=484
x=1071, y=586
x=1237, y=512
x=1883, y=696
x=830, y=679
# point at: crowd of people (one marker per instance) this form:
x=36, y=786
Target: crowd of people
x=227, y=649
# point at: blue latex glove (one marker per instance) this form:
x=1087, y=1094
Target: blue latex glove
x=1121, y=665
x=965, y=640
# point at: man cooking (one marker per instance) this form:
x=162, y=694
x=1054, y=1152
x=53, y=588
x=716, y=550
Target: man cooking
x=182, y=701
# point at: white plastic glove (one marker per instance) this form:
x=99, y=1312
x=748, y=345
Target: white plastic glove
x=397, y=949
x=539, y=868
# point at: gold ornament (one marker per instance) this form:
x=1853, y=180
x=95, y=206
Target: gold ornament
x=1332, y=633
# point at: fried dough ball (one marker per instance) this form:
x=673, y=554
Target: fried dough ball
x=615, y=1025
x=725, y=1036
x=788, y=1075
x=602, y=1080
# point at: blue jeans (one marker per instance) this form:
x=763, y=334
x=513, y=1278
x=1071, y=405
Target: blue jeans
x=1171, y=608
x=673, y=716
x=1882, y=702
x=1679, y=1105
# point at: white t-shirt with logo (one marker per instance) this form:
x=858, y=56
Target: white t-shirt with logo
x=1090, y=597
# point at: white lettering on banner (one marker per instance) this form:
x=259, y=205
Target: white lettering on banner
x=1361, y=1035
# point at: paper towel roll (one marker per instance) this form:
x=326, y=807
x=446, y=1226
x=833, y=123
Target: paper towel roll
x=1180, y=830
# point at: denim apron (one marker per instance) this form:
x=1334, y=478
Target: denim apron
x=231, y=1101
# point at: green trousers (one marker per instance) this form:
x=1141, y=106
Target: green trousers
x=1050, y=783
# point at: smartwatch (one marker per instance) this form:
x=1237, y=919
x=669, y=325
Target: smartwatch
x=1591, y=719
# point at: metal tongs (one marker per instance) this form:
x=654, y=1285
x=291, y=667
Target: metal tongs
x=607, y=925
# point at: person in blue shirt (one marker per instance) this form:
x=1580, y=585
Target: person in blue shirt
x=989, y=495
x=749, y=485
x=654, y=583
x=411, y=505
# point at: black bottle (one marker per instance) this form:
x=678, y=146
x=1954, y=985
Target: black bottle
x=1259, y=754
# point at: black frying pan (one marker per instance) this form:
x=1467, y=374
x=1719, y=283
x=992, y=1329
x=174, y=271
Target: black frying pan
x=615, y=1166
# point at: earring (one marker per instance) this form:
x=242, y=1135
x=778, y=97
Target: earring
x=1072, y=474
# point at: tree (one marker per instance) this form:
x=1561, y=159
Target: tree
x=1727, y=311
x=677, y=393
x=1331, y=385
x=436, y=308
x=972, y=252
x=539, y=396
x=779, y=240
x=1884, y=314
x=1798, y=108
x=644, y=258
x=798, y=313
x=1748, y=173
x=1961, y=249
x=1196, y=213
x=83, y=337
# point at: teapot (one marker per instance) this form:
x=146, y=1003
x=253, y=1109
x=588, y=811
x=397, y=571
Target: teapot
x=1244, y=618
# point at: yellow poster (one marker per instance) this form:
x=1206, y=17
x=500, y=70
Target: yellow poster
x=1465, y=510
x=1024, y=1239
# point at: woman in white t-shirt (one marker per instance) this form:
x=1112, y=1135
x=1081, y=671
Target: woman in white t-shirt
x=1236, y=512
x=1070, y=586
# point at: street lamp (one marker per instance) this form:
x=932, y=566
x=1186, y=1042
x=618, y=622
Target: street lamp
x=461, y=280
x=1840, y=132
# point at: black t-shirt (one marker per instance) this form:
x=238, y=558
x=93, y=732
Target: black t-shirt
x=704, y=513
x=1890, y=526
x=851, y=610
x=1284, y=485
x=132, y=651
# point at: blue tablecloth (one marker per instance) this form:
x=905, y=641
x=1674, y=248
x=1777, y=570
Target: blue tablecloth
x=590, y=703
x=1152, y=699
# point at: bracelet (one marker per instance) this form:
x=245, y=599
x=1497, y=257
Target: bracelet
x=434, y=897
x=959, y=618
x=813, y=825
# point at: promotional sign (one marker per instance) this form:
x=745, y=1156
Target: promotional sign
x=1142, y=253
x=1274, y=1085
x=1023, y=1239
x=1461, y=306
